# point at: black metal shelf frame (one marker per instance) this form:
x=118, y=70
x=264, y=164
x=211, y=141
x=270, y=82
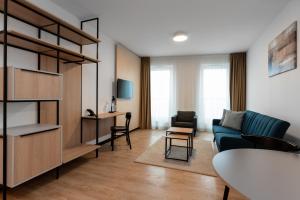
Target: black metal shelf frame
x=5, y=100
x=53, y=23
x=97, y=85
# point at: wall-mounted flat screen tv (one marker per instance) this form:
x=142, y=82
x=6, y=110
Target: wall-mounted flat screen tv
x=124, y=89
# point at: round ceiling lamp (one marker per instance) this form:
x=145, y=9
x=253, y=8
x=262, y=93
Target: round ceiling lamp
x=180, y=37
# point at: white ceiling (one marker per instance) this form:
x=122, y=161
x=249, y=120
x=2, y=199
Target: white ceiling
x=146, y=26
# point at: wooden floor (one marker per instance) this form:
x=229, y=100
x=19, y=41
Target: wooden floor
x=115, y=175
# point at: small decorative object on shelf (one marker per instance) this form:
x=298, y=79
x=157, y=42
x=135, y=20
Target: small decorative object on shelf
x=113, y=105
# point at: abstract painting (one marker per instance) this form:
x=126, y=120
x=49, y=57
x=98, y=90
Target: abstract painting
x=283, y=51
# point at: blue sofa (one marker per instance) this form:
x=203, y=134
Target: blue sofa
x=253, y=124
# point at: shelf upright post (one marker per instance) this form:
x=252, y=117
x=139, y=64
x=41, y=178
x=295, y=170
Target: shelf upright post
x=81, y=119
x=39, y=67
x=58, y=71
x=97, y=91
x=97, y=83
x=5, y=21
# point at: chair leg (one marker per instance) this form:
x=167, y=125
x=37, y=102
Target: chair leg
x=112, y=138
x=128, y=136
x=127, y=139
x=226, y=192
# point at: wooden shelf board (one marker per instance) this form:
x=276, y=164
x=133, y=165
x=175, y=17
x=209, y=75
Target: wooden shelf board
x=39, y=71
x=105, y=115
x=19, y=40
x=78, y=151
x=29, y=129
x=23, y=10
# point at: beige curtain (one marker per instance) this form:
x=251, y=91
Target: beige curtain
x=238, y=81
x=145, y=94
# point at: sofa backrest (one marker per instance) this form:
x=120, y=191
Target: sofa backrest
x=185, y=116
x=257, y=124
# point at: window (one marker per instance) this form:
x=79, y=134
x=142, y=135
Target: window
x=197, y=83
x=160, y=97
x=214, y=92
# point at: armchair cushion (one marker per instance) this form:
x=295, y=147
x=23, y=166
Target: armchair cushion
x=184, y=124
x=185, y=116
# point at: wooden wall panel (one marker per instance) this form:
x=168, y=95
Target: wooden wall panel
x=70, y=106
x=89, y=128
x=48, y=109
x=128, y=67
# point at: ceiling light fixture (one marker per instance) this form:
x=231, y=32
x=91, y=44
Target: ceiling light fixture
x=180, y=37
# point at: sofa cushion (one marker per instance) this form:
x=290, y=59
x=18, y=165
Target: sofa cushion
x=233, y=120
x=221, y=129
x=262, y=125
x=183, y=124
x=226, y=141
x=223, y=116
x=185, y=116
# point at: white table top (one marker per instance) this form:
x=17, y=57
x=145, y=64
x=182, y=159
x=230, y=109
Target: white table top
x=260, y=174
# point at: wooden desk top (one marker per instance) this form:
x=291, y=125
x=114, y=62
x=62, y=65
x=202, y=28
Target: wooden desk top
x=105, y=115
x=260, y=174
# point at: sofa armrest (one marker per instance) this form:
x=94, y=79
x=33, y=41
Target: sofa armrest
x=266, y=142
x=173, y=119
x=216, y=121
x=195, y=122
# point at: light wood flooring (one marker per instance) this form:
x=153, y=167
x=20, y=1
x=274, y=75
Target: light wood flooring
x=115, y=175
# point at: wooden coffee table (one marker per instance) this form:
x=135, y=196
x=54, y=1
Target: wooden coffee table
x=176, y=133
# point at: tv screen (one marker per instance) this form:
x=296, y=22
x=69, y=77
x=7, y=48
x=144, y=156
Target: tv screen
x=124, y=89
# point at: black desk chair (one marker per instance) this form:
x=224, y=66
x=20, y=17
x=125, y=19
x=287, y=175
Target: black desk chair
x=124, y=130
x=270, y=143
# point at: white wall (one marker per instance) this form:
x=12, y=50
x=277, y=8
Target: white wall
x=106, y=77
x=278, y=96
x=26, y=113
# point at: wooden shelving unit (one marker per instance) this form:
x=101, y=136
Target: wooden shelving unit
x=58, y=127
x=29, y=129
x=32, y=85
x=32, y=150
x=25, y=42
x=39, y=18
x=78, y=151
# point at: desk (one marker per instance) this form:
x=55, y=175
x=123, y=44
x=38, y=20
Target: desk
x=260, y=174
x=105, y=115
x=100, y=117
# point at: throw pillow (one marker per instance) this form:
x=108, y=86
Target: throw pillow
x=223, y=116
x=233, y=120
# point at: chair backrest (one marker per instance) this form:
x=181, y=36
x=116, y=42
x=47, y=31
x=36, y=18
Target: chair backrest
x=128, y=118
x=185, y=116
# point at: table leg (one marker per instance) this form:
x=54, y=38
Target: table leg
x=226, y=192
x=166, y=146
x=187, y=150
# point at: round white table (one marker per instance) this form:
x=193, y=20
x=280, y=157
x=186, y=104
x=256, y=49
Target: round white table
x=260, y=174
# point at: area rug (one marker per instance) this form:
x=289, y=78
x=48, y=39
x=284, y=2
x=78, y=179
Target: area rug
x=200, y=162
